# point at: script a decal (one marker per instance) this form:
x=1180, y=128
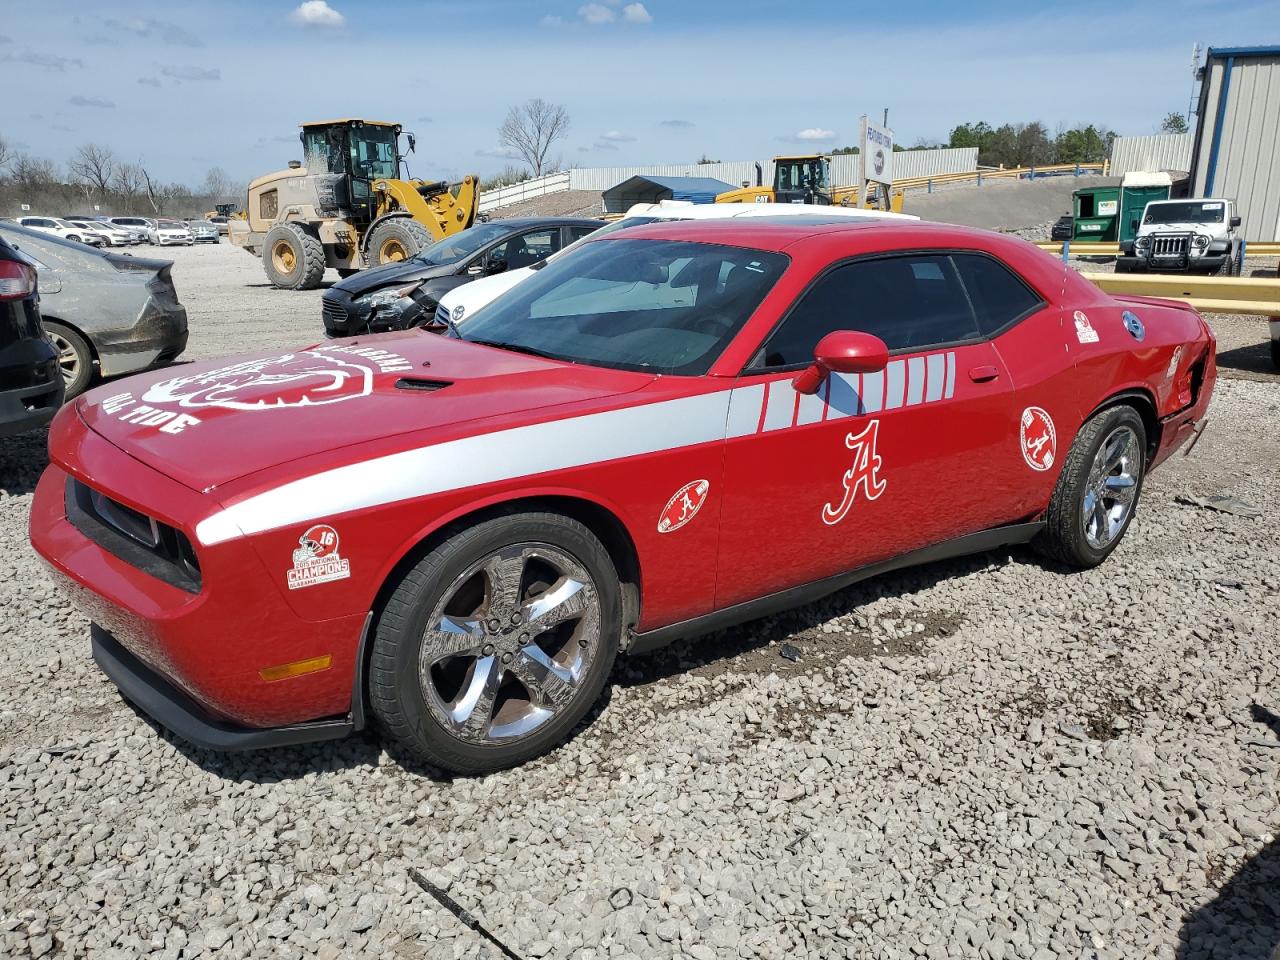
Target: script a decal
x=865, y=473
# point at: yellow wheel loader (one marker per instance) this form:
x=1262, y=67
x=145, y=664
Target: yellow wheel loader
x=346, y=207
x=802, y=179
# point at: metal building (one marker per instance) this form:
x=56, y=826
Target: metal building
x=1237, y=141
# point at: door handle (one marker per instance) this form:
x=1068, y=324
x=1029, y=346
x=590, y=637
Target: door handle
x=983, y=374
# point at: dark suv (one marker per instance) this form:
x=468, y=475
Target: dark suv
x=396, y=296
x=31, y=383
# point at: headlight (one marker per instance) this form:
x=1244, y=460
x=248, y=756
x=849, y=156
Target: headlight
x=385, y=298
x=1142, y=243
x=1200, y=240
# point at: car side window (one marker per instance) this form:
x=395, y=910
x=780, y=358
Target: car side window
x=577, y=233
x=909, y=302
x=1000, y=298
x=526, y=249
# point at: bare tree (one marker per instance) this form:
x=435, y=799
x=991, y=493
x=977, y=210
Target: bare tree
x=531, y=128
x=158, y=194
x=33, y=173
x=6, y=153
x=127, y=183
x=91, y=168
x=216, y=184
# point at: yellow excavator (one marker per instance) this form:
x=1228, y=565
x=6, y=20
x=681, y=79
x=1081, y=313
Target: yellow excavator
x=806, y=178
x=345, y=206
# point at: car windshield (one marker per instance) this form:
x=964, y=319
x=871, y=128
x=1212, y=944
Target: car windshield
x=663, y=306
x=1186, y=211
x=462, y=245
x=64, y=223
x=172, y=225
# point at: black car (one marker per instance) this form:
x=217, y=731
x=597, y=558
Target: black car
x=30, y=381
x=396, y=296
x=1063, y=227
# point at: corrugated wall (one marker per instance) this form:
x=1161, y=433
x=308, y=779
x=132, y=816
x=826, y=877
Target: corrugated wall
x=1162, y=151
x=1245, y=168
x=907, y=164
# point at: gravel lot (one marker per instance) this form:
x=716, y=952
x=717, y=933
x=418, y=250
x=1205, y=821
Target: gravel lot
x=987, y=758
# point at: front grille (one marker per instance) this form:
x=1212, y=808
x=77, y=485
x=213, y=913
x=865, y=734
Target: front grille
x=442, y=316
x=155, y=548
x=1170, y=245
x=334, y=315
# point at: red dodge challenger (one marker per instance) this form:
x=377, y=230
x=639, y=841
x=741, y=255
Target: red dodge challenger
x=679, y=427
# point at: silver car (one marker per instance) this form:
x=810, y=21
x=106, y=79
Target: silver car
x=107, y=313
x=140, y=227
x=170, y=232
x=203, y=231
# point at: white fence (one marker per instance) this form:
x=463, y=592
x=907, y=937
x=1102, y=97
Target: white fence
x=540, y=187
x=844, y=172
x=1162, y=151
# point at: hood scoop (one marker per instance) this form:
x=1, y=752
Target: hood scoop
x=422, y=384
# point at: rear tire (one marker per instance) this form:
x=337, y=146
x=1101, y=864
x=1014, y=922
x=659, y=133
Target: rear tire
x=75, y=357
x=495, y=645
x=396, y=239
x=1097, y=492
x=293, y=258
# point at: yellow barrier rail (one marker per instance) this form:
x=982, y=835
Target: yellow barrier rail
x=1086, y=248
x=1254, y=295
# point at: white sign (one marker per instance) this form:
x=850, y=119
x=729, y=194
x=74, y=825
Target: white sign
x=26, y=206
x=877, y=152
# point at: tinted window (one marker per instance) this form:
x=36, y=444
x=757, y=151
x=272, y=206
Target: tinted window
x=526, y=249
x=577, y=233
x=998, y=296
x=655, y=305
x=908, y=302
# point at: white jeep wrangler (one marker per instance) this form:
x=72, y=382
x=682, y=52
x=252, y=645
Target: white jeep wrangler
x=1180, y=235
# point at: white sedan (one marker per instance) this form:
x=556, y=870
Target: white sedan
x=112, y=235
x=167, y=233
x=462, y=302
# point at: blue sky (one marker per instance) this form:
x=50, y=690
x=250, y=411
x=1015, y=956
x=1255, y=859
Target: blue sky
x=183, y=86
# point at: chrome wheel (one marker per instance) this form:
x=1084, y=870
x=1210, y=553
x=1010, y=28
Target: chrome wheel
x=1112, y=487
x=69, y=360
x=507, y=646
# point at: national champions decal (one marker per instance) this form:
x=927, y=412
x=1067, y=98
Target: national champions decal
x=316, y=559
x=1038, y=438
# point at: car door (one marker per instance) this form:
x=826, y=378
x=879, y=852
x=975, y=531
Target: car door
x=873, y=465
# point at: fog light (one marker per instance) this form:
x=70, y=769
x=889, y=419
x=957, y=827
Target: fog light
x=296, y=669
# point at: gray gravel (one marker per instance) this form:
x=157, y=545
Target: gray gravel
x=983, y=758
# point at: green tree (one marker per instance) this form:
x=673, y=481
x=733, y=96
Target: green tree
x=1173, y=123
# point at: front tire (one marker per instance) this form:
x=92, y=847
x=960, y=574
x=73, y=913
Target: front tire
x=75, y=357
x=495, y=645
x=293, y=258
x=1097, y=492
x=396, y=239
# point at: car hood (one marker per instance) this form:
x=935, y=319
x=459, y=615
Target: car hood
x=389, y=274
x=208, y=423
x=1205, y=228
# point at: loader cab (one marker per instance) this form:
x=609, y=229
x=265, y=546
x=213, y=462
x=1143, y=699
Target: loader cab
x=350, y=155
x=804, y=179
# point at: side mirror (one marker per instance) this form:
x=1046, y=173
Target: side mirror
x=842, y=351
x=1235, y=221
x=476, y=270
x=413, y=142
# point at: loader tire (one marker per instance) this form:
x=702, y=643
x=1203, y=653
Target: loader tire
x=396, y=239
x=293, y=258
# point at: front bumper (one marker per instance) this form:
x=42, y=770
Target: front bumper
x=180, y=714
x=208, y=644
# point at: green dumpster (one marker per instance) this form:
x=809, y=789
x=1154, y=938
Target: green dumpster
x=1112, y=214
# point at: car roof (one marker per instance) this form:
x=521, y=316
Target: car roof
x=519, y=223
x=778, y=234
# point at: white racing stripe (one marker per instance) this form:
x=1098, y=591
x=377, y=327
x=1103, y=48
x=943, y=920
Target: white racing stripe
x=485, y=458
x=577, y=441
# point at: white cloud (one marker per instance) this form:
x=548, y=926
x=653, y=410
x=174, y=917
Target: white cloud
x=603, y=145
x=552, y=21
x=617, y=136
x=504, y=153
x=636, y=13
x=596, y=13
x=816, y=133
x=190, y=72
x=98, y=102
x=317, y=13
x=149, y=81
x=679, y=124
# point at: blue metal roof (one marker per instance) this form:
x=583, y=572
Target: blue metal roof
x=689, y=184
x=1244, y=51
